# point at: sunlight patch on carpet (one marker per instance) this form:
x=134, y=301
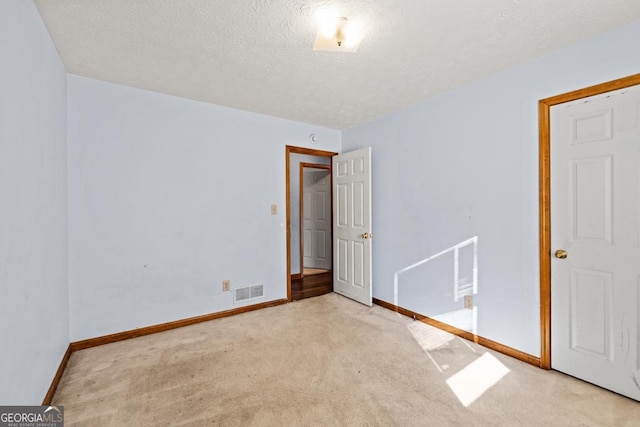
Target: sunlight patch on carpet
x=428, y=337
x=476, y=378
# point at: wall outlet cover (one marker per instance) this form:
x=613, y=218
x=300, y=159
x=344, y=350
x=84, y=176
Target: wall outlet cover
x=468, y=302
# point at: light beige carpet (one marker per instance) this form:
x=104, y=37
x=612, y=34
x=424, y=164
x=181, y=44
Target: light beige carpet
x=325, y=361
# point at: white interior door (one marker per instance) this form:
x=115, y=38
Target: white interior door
x=595, y=204
x=316, y=232
x=352, y=225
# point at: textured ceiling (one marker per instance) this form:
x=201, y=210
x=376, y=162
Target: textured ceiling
x=257, y=55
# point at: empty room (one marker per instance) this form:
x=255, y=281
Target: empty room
x=271, y=212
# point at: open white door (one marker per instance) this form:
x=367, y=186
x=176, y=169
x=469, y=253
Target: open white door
x=352, y=225
x=595, y=237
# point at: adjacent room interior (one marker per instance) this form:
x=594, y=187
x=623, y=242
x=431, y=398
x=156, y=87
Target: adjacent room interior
x=176, y=181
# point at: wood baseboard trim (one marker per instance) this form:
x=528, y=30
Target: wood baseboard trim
x=296, y=276
x=148, y=330
x=56, y=378
x=501, y=348
x=120, y=336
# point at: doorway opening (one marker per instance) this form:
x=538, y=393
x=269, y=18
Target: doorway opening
x=315, y=218
x=309, y=222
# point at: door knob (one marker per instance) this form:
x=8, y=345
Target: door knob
x=561, y=253
x=367, y=235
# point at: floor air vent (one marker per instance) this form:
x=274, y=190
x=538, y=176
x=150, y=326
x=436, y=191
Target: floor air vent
x=249, y=292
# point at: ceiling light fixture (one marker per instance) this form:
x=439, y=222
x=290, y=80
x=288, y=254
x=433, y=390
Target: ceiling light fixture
x=337, y=35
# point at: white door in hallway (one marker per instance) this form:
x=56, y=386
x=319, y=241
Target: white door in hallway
x=352, y=230
x=595, y=238
x=316, y=223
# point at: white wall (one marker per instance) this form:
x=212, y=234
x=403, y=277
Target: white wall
x=168, y=197
x=465, y=164
x=34, y=312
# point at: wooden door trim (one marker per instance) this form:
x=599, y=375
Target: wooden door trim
x=310, y=166
x=544, y=126
x=290, y=149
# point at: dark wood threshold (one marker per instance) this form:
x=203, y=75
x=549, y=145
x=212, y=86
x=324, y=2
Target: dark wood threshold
x=56, y=379
x=296, y=276
x=501, y=348
x=312, y=285
x=134, y=333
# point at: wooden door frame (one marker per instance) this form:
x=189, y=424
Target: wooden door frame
x=313, y=166
x=544, y=125
x=290, y=149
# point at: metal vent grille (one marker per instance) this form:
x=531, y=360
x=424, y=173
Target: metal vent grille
x=249, y=293
x=257, y=291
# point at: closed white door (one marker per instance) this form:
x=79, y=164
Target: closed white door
x=595, y=216
x=352, y=225
x=316, y=234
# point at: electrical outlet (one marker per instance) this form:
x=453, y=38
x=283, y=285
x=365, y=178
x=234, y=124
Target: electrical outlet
x=274, y=209
x=226, y=285
x=468, y=302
